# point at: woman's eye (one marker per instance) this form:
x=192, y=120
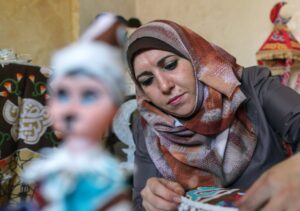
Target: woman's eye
x=171, y=66
x=147, y=82
x=62, y=96
x=89, y=97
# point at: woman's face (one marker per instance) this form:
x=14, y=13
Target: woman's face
x=167, y=80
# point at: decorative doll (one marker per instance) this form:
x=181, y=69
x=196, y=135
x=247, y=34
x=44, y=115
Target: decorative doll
x=86, y=89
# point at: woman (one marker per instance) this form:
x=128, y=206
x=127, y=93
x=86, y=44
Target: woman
x=204, y=119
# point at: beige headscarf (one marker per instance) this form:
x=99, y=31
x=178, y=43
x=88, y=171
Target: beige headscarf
x=186, y=153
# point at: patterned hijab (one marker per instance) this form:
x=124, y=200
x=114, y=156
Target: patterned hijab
x=188, y=152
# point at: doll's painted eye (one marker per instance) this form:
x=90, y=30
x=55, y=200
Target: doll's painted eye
x=89, y=97
x=63, y=96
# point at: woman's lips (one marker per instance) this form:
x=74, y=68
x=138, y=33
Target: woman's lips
x=175, y=100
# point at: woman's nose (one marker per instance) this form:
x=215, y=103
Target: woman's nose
x=165, y=83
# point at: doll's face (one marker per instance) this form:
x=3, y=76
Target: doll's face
x=81, y=107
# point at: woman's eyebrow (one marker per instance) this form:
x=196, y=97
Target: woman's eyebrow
x=161, y=62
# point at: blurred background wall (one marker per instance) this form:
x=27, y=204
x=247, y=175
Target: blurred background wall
x=38, y=27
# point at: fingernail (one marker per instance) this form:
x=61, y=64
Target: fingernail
x=179, y=191
x=177, y=199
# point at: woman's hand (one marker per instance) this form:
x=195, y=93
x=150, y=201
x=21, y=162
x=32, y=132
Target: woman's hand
x=161, y=194
x=276, y=189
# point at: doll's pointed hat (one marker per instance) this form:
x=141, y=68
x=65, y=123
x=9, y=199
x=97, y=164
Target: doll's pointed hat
x=107, y=28
x=97, y=53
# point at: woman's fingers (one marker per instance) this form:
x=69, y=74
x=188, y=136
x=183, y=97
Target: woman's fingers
x=286, y=199
x=256, y=196
x=174, y=186
x=277, y=189
x=276, y=203
x=161, y=194
x=153, y=202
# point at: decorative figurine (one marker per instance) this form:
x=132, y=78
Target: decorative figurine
x=86, y=89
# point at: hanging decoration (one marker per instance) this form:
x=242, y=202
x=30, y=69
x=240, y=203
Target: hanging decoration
x=281, y=51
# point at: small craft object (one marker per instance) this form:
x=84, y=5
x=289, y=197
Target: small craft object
x=210, y=199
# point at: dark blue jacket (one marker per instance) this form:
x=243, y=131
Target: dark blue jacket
x=273, y=109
